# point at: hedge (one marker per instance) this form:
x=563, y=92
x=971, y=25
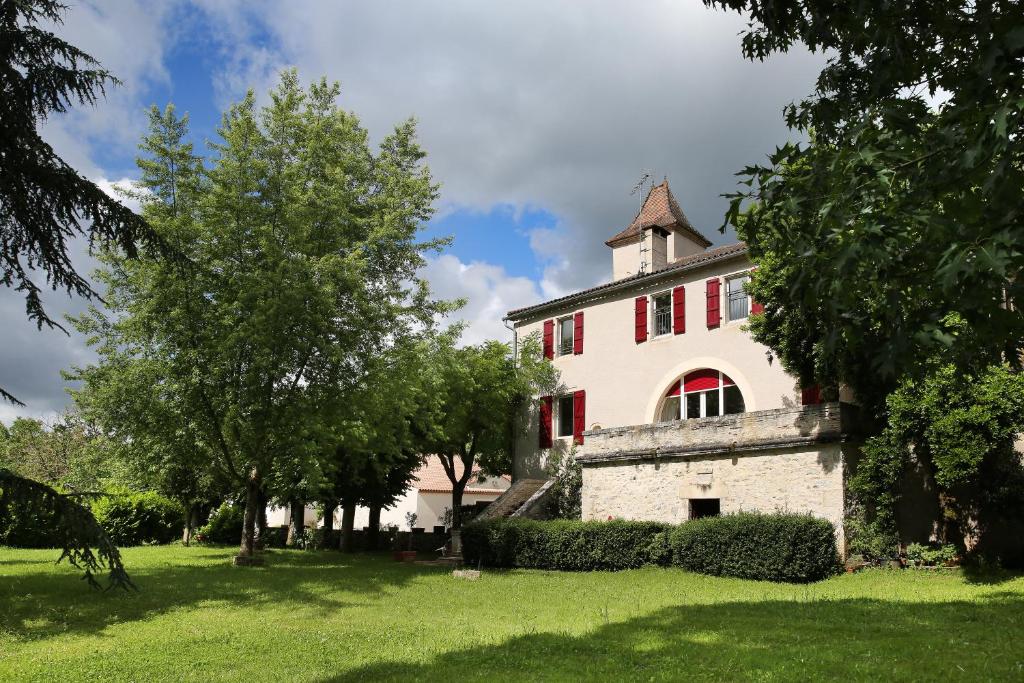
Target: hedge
x=772, y=547
x=137, y=518
x=564, y=544
x=777, y=547
x=224, y=525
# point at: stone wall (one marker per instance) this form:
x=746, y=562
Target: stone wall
x=788, y=459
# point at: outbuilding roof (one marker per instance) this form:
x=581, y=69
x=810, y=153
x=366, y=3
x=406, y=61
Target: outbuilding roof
x=431, y=478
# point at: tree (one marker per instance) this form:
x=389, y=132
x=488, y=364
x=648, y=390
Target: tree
x=46, y=203
x=477, y=398
x=302, y=261
x=900, y=210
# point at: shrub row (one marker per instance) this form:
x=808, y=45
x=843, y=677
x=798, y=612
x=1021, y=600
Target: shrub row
x=137, y=518
x=771, y=547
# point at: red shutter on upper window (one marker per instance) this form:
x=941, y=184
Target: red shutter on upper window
x=549, y=339
x=678, y=310
x=811, y=396
x=755, y=307
x=577, y=333
x=640, y=319
x=545, y=422
x=579, y=416
x=714, y=303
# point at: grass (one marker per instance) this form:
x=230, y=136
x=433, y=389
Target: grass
x=328, y=617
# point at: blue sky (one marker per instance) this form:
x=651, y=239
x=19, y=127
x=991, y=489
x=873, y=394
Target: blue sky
x=537, y=117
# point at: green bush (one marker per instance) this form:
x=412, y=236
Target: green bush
x=137, y=518
x=769, y=547
x=20, y=528
x=225, y=525
x=564, y=544
x=931, y=555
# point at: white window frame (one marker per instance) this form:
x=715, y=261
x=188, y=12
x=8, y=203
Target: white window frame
x=572, y=335
x=653, y=315
x=729, y=279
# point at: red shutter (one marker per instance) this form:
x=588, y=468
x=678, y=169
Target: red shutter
x=549, y=339
x=678, y=310
x=701, y=380
x=545, y=422
x=811, y=396
x=579, y=416
x=577, y=334
x=755, y=307
x=641, y=319
x=714, y=303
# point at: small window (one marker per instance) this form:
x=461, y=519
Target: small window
x=739, y=302
x=705, y=507
x=565, y=336
x=565, y=415
x=662, y=313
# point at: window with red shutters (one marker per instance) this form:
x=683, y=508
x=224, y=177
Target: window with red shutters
x=714, y=303
x=579, y=416
x=678, y=310
x=545, y=421
x=549, y=339
x=640, y=319
x=577, y=336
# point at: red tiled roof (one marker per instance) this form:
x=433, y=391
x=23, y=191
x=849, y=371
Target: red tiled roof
x=683, y=264
x=431, y=478
x=660, y=209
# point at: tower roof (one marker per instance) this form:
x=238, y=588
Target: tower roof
x=660, y=209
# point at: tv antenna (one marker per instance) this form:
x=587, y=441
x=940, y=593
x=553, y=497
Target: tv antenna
x=639, y=189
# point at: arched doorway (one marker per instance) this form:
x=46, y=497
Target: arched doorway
x=701, y=393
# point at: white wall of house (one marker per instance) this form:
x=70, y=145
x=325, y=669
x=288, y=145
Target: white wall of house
x=429, y=507
x=625, y=381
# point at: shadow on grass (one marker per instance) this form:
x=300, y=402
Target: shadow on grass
x=41, y=604
x=775, y=640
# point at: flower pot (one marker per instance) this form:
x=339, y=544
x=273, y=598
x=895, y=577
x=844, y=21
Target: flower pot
x=404, y=555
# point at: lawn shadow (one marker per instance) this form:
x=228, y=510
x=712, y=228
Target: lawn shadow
x=773, y=640
x=43, y=604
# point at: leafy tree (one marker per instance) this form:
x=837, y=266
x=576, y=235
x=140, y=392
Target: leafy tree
x=62, y=454
x=302, y=256
x=905, y=206
x=476, y=396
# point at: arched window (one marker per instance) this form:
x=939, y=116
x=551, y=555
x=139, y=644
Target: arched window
x=701, y=393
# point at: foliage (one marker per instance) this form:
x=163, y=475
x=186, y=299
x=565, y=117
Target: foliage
x=874, y=544
x=46, y=202
x=473, y=406
x=961, y=430
x=567, y=490
x=302, y=265
x=905, y=206
x=224, y=525
x=84, y=543
x=138, y=518
x=931, y=555
x=776, y=547
x=570, y=545
x=63, y=453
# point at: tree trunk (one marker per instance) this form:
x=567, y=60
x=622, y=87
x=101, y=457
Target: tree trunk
x=457, y=488
x=348, y=520
x=329, y=509
x=261, y=521
x=373, y=535
x=296, y=523
x=191, y=520
x=252, y=497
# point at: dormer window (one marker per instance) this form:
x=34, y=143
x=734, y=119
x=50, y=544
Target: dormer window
x=565, y=330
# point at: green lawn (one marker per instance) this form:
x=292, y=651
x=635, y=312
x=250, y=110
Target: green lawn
x=324, y=616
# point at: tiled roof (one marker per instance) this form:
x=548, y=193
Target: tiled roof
x=685, y=263
x=661, y=209
x=431, y=478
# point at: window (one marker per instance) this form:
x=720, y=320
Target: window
x=705, y=507
x=662, y=313
x=736, y=292
x=565, y=336
x=565, y=415
x=702, y=393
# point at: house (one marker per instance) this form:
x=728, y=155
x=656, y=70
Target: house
x=673, y=410
x=430, y=495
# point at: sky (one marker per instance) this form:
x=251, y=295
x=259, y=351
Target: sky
x=538, y=119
